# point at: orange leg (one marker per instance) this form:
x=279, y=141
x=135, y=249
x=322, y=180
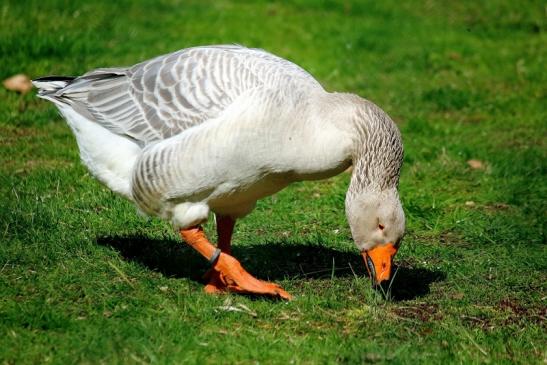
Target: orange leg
x=231, y=275
x=225, y=228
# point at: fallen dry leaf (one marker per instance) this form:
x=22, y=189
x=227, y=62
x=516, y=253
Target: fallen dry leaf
x=20, y=83
x=476, y=164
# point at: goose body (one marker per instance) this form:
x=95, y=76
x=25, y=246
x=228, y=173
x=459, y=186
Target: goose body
x=216, y=128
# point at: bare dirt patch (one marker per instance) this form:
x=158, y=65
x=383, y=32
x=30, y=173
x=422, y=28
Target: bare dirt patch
x=507, y=312
x=422, y=312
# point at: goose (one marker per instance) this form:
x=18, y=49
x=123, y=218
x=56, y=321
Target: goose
x=214, y=129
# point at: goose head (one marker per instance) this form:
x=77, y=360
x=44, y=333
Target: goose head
x=377, y=224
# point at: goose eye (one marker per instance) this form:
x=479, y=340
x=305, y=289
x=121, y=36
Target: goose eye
x=381, y=226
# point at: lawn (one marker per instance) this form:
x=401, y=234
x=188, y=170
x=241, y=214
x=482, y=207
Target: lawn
x=85, y=279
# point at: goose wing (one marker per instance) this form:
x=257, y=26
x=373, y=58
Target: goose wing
x=162, y=97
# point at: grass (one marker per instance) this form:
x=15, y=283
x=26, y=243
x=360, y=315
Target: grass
x=84, y=279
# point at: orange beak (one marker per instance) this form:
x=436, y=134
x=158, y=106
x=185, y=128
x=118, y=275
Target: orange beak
x=378, y=262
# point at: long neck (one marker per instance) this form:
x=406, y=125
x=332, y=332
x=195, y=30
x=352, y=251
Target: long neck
x=376, y=149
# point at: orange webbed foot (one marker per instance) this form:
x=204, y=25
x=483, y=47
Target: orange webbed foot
x=227, y=274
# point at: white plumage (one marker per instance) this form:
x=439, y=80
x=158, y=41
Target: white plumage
x=217, y=128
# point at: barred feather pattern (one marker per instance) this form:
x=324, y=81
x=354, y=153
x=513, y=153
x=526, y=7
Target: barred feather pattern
x=162, y=97
x=379, y=152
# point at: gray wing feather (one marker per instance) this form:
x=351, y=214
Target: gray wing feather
x=159, y=98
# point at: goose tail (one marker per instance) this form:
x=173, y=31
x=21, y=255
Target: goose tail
x=47, y=86
x=108, y=156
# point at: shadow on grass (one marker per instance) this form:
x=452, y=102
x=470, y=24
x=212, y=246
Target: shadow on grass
x=413, y=282
x=271, y=261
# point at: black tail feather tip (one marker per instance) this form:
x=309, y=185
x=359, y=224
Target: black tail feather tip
x=55, y=78
x=51, y=83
